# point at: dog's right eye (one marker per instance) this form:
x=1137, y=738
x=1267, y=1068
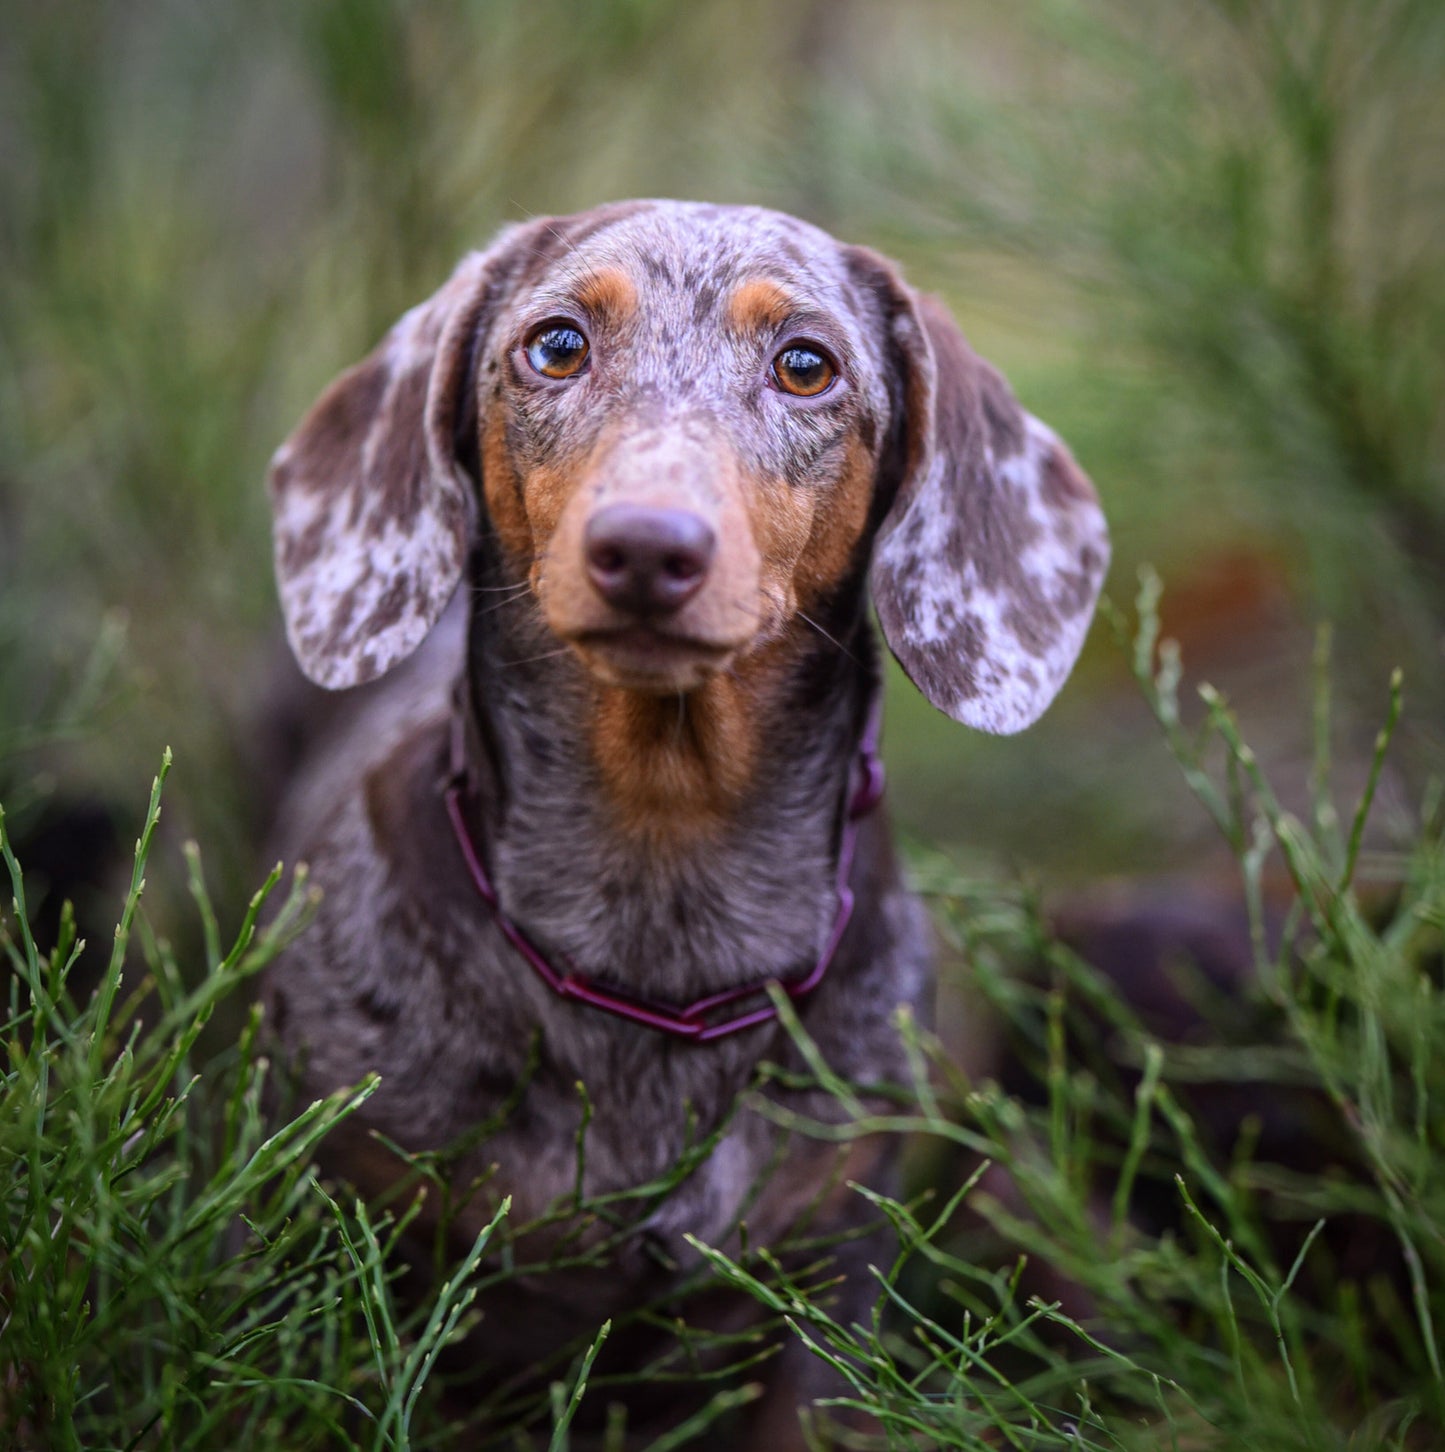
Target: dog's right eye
x=557, y=350
x=803, y=370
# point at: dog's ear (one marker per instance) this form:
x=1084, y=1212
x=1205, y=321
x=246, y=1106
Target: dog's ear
x=989, y=560
x=373, y=512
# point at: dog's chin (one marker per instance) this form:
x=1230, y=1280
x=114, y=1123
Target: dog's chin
x=651, y=662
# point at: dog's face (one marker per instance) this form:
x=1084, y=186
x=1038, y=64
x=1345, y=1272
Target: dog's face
x=681, y=415
x=691, y=423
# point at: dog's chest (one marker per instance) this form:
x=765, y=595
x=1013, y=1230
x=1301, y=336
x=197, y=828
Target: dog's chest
x=676, y=920
x=464, y=1032
x=552, y=1103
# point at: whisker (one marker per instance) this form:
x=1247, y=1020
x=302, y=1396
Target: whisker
x=497, y=589
x=808, y=620
x=532, y=216
x=565, y=241
x=533, y=659
x=569, y=269
x=497, y=605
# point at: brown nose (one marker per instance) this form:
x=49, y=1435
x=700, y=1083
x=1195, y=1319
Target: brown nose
x=648, y=560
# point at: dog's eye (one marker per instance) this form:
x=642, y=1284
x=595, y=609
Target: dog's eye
x=557, y=350
x=802, y=370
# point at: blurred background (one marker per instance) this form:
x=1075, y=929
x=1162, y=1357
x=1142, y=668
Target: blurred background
x=1205, y=241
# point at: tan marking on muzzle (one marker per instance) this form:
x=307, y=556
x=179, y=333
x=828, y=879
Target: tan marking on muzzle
x=836, y=529
x=526, y=510
x=808, y=540
x=502, y=488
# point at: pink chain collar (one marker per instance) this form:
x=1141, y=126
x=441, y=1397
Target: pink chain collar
x=691, y=1022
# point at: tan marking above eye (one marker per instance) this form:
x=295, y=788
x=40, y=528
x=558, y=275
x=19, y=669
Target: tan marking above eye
x=759, y=305
x=803, y=370
x=608, y=294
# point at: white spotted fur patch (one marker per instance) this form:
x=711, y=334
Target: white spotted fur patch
x=372, y=513
x=986, y=572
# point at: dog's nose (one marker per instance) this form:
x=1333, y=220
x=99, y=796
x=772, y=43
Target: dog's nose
x=648, y=560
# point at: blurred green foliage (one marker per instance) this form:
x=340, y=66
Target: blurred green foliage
x=1206, y=241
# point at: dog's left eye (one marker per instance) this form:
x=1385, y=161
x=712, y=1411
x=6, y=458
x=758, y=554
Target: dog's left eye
x=557, y=350
x=800, y=369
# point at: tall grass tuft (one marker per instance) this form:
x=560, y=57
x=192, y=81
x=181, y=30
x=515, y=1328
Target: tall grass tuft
x=1233, y=1238
x=172, y=1274
x=1100, y=1259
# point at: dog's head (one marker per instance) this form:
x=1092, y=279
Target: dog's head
x=690, y=425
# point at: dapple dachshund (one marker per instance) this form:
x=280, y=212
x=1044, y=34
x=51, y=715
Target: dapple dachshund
x=631, y=778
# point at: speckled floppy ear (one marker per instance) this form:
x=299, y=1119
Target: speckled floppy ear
x=372, y=510
x=988, y=563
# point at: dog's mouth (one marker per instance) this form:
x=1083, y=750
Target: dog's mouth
x=643, y=658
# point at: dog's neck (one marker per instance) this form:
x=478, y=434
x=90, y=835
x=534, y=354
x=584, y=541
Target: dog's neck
x=673, y=845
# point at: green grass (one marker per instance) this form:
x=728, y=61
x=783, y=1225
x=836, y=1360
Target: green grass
x=1205, y=241
x=1239, y=1320
x=1092, y=1258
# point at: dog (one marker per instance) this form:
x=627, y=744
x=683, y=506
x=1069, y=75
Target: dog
x=631, y=777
